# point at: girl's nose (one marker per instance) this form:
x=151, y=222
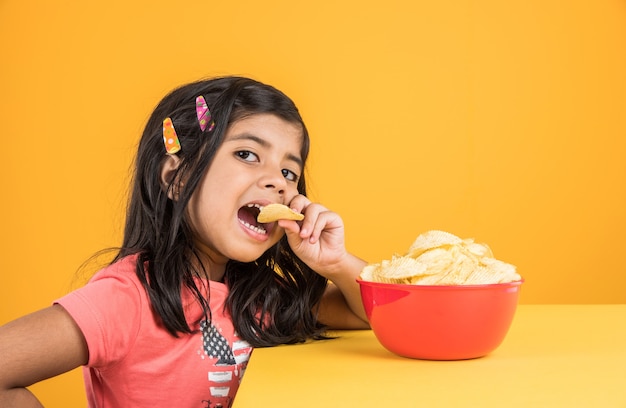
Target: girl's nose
x=274, y=180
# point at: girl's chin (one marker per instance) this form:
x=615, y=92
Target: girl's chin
x=246, y=259
x=252, y=254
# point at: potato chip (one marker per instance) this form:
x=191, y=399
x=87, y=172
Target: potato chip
x=480, y=250
x=441, y=258
x=430, y=240
x=398, y=270
x=275, y=212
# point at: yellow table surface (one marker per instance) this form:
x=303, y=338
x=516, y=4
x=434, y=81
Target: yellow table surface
x=553, y=356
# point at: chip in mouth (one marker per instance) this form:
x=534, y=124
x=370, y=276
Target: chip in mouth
x=275, y=212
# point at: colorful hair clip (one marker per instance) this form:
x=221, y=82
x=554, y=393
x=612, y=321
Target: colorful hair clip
x=172, y=144
x=204, y=115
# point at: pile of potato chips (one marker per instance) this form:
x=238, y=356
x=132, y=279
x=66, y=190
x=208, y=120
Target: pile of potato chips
x=441, y=258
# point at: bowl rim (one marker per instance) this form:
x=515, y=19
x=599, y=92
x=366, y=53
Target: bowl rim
x=404, y=286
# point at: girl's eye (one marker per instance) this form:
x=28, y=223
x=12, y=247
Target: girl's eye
x=290, y=175
x=247, y=155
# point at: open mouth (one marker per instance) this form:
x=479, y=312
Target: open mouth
x=247, y=217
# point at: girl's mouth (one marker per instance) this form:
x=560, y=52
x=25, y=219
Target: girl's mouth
x=247, y=217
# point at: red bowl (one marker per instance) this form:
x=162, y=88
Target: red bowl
x=452, y=322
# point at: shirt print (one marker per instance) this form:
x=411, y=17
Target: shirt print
x=229, y=355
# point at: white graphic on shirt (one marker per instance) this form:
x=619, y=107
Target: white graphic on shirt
x=230, y=363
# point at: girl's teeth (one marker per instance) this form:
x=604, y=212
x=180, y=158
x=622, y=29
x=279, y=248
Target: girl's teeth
x=254, y=228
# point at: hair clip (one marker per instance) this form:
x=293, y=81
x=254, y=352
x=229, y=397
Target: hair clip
x=204, y=115
x=172, y=144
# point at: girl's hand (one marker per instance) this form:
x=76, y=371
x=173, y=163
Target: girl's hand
x=319, y=239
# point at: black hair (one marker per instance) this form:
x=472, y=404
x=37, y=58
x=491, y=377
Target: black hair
x=271, y=300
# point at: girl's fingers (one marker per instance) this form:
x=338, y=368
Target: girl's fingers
x=311, y=212
x=299, y=203
x=314, y=221
x=323, y=222
x=289, y=226
x=317, y=220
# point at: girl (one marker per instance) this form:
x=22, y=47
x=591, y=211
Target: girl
x=198, y=282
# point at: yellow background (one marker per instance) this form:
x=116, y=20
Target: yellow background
x=502, y=121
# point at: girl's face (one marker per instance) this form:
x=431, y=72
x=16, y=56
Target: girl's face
x=258, y=163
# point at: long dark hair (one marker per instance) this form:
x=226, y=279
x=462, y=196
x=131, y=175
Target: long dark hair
x=272, y=300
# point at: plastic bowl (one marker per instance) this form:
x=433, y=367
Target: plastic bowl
x=440, y=322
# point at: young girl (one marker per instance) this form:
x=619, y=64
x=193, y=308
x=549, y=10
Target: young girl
x=198, y=282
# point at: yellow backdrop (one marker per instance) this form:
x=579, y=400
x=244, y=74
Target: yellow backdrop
x=502, y=121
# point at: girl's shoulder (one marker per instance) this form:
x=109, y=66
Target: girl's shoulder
x=123, y=268
x=110, y=310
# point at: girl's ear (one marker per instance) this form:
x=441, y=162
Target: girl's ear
x=168, y=174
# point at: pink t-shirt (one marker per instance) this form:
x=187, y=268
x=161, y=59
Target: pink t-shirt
x=135, y=362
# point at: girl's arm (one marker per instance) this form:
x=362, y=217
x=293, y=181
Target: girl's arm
x=319, y=242
x=341, y=307
x=35, y=347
